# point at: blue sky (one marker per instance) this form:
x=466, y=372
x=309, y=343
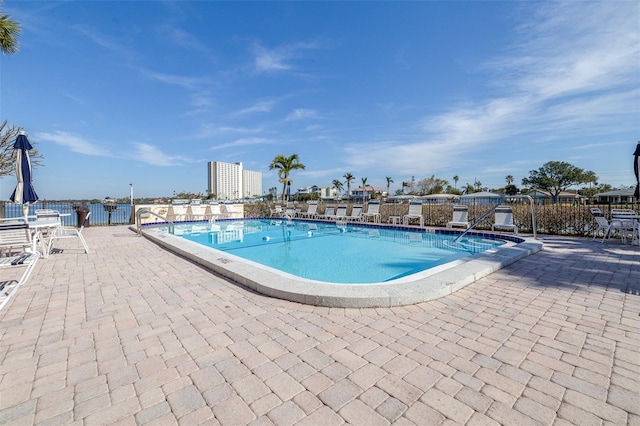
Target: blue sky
x=148, y=92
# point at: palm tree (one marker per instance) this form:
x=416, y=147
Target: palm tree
x=348, y=177
x=405, y=184
x=389, y=182
x=509, y=179
x=337, y=184
x=285, y=165
x=455, y=182
x=364, y=188
x=9, y=31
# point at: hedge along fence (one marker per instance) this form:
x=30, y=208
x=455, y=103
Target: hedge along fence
x=557, y=219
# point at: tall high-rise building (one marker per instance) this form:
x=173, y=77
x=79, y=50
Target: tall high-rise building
x=228, y=181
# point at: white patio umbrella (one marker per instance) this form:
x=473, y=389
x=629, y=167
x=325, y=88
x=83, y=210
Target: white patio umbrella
x=24, y=192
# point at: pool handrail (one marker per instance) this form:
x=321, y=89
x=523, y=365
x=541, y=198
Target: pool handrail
x=502, y=199
x=148, y=211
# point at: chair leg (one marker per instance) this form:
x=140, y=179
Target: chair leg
x=84, y=243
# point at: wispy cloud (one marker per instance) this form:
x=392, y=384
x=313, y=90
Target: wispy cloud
x=72, y=142
x=151, y=155
x=182, y=38
x=242, y=142
x=572, y=69
x=302, y=114
x=280, y=58
x=207, y=130
x=258, y=107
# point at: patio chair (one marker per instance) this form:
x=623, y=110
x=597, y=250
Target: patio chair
x=503, y=218
x=373, y=211
x=356, y=214
x=67, y=232
x=16, y=235
x=177, y=212
x=216, y=211
x=196, y=211
x=460, y=217
x=620, y=226
x=289, y=211
x=329, y=213
x=276, y=211
x=341, y=213
x=311, y=211
x=415, y=212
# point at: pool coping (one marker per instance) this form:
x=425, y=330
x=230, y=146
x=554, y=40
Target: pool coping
x=416, y=288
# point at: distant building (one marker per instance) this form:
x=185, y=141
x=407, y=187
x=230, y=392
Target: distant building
x=564, y=197
x=367, y=191
x=229, y=181
x=617, y=196
x=324, y=192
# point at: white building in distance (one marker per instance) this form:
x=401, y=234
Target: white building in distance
x=228, y=181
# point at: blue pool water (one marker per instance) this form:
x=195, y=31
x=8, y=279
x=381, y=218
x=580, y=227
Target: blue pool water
x=326, y=252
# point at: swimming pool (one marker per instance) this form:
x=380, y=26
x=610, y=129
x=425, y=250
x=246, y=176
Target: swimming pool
x=326, y=252
x=404, y=288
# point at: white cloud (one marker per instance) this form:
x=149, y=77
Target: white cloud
x=280, y=58
x=572, y=69
x=151, y=155
x=73, y=142
x=262, y=106
x=302, y=114
x=242, y=142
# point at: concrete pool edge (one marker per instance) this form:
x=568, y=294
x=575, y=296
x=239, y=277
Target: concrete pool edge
x=405, y=292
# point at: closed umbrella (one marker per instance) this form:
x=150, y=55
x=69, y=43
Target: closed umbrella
x=636, y=170
x=24, y=192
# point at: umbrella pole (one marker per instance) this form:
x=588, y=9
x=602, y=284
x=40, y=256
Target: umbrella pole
x=25, y=210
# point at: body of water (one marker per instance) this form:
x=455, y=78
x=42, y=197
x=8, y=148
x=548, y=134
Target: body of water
x=99, y=216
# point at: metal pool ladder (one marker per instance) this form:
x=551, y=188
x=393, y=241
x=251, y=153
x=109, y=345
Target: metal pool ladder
x=487, y=213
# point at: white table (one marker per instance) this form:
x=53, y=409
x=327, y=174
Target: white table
x=635, y=239
x=41, y=227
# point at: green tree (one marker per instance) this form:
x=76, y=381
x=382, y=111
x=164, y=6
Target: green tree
x=348, y=178
x=285, y=165
x=455, y=182
x=557, y=176
x=364, y=188
x=431, y=185
x=337, y=184
x=405, y=184
x=9, y=32
x=8, y=136
x=389, y=182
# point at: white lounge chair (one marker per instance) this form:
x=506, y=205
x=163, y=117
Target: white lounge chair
x=289, y=211
x=177, y=212
x=503, y=218
x=329, y=212
x=356, y=214
x=67, y=232
x=311, y=210
x=341, y=212
x=16, y=235
x=460, y=217
x=196, y=211
x=415, y=212
x=276, y=211
x=373, y=211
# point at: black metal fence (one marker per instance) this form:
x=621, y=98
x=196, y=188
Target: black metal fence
x=101, y=214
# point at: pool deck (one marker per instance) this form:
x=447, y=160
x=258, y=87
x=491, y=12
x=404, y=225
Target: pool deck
x=132, y=334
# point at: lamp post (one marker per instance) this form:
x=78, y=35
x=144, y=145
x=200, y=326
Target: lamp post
x=131, y=219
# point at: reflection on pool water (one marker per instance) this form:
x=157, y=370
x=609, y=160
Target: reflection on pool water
x=332, y=253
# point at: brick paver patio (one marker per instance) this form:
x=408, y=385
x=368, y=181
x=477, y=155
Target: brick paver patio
x=132, y=334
